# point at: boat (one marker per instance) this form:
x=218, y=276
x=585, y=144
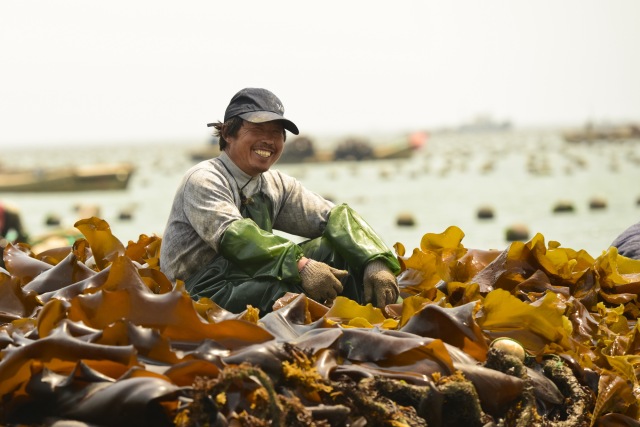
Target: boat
x=96, y=177
x=601, y=132
x=303, y=150
x=485, y=123
x=209, y=151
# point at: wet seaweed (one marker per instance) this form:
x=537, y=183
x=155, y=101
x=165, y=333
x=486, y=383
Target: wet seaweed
x=96, y=334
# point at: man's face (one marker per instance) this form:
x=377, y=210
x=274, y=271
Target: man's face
x=257, y=146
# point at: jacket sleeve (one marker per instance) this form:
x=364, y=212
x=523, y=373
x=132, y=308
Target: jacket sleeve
x=298, y=210
x=209, y=205
x=628, y=242
x=356, y=241
x=260, y=253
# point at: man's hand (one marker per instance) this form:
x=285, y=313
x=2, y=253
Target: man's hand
x=321, y=282
x=380, y=285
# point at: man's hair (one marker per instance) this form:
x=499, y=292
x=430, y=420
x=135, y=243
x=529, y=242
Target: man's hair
x=230, y=128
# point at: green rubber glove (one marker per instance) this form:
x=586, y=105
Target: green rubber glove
x=321, y=282
x=380, y=285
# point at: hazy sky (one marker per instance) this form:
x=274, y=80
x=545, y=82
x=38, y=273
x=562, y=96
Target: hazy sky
x=83, y=71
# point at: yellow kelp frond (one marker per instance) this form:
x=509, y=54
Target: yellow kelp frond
x=533, y=326
x=567, y=261
x=104, y=245
x=615, y=394
x=613, y=319
x=435, y=260
x=615, y=270
x=345, y=309
x=566, y=264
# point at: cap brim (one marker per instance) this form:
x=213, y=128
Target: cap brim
x=268, y=116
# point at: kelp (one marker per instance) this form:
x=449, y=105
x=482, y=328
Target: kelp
x=95, y=332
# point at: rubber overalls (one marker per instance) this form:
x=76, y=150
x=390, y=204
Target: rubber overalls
x=256, y=267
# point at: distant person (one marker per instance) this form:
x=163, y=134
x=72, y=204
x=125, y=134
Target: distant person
x=628, y=242
x=11, y=230
x=219, y=237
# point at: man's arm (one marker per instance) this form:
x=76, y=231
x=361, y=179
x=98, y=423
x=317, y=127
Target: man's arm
x=299, y=211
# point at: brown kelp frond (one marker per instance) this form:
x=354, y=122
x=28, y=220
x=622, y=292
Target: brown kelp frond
x=95, y=331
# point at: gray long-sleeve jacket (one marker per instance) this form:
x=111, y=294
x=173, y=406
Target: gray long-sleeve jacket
x=208, y=201
x=628, y=242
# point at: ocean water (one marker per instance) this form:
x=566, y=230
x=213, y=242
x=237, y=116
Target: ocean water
x=519, y=175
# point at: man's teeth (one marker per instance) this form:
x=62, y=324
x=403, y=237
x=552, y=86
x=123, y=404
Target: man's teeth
x=263, y=153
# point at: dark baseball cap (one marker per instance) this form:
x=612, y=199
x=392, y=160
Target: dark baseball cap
x=257, y=105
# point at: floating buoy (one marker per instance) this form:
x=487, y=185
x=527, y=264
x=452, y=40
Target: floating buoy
x=52, y=220
x=126, y=215
x=384, y=173
x=517, y=232
x=485, y=212
x=597, y=203
x=563, y=206
x=405, y=219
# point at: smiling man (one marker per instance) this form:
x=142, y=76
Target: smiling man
x=219, y=237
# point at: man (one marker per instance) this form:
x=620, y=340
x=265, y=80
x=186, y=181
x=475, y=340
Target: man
x=219, y=236
x=628, y=242
x=11, y=230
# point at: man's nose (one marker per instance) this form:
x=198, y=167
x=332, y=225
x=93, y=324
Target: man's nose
x=271, y=138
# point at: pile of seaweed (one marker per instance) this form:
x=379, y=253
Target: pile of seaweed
x=95, y=333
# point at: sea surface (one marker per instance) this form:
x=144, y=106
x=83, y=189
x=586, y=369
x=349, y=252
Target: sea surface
x=518, y=175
